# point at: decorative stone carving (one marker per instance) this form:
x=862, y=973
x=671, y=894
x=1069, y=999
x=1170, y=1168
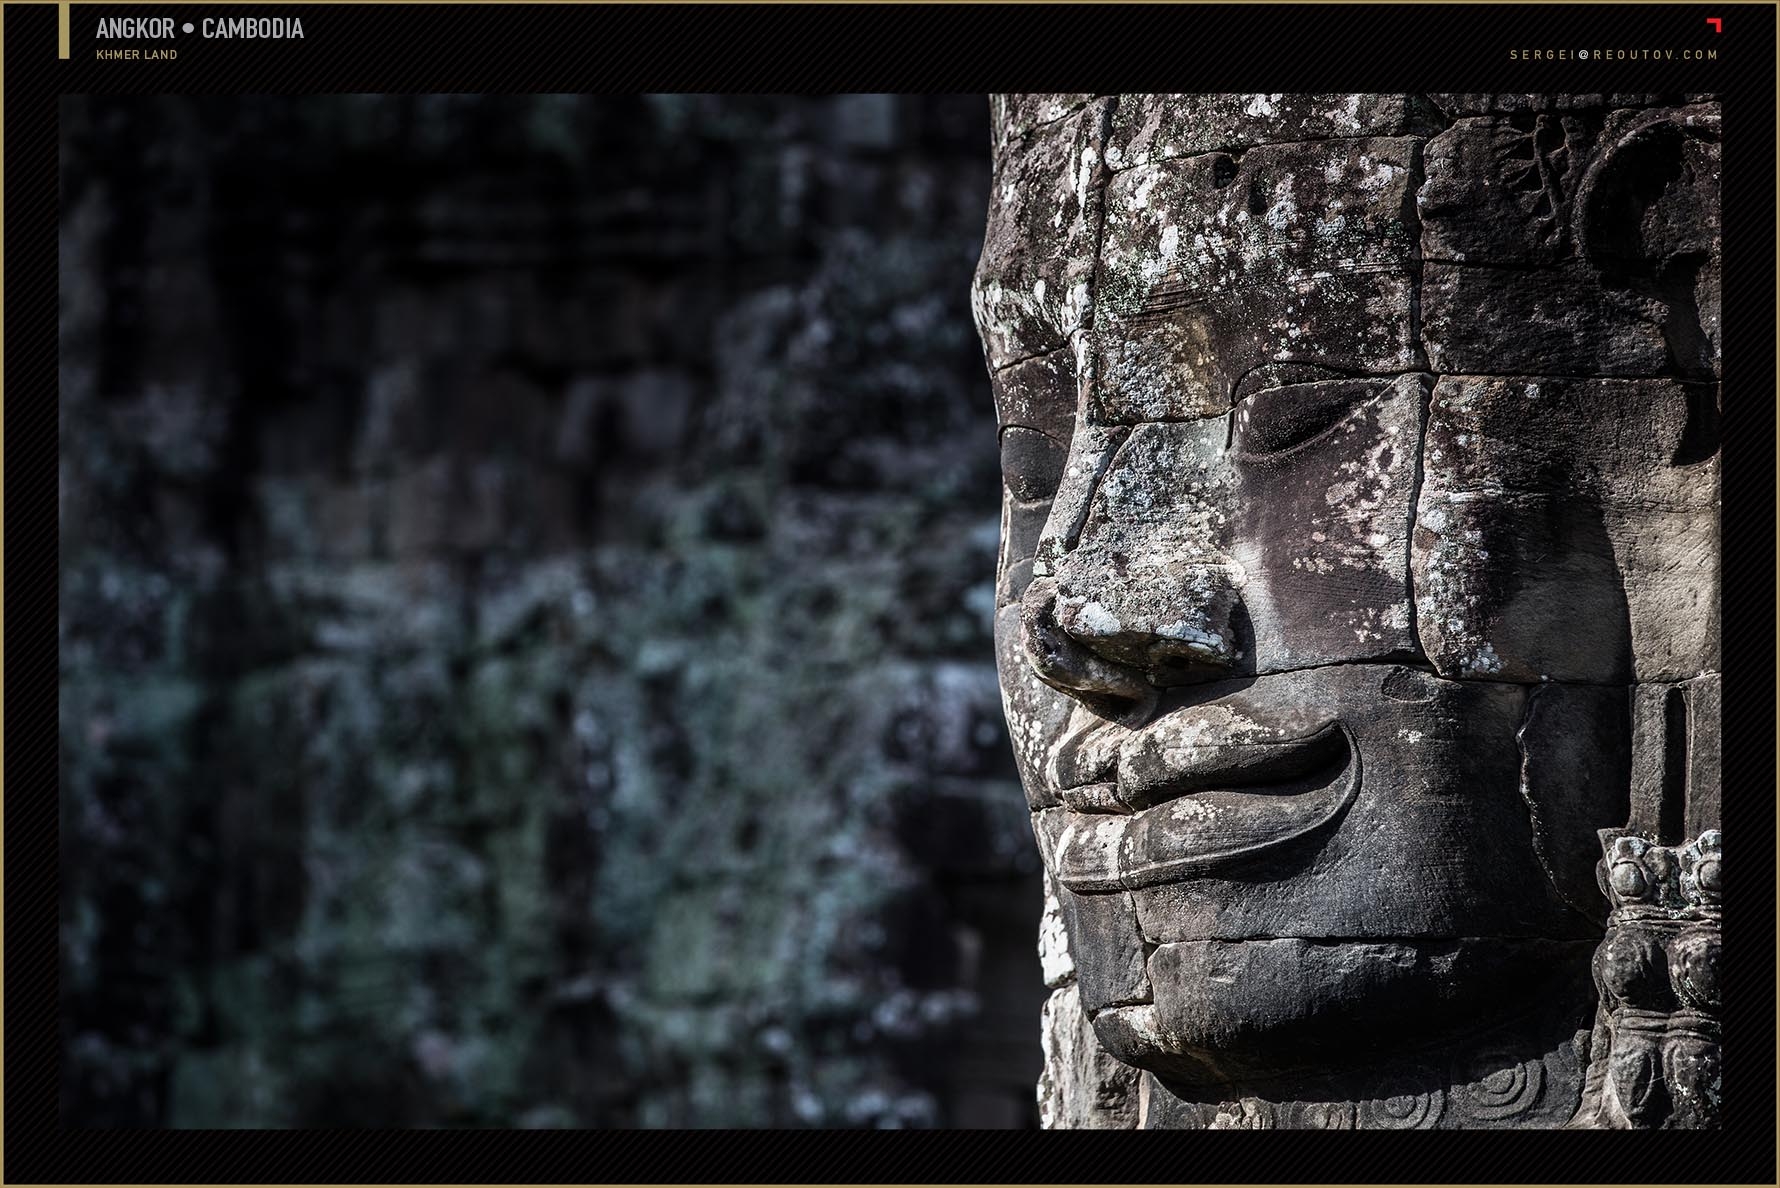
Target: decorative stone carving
x=1359, y=567
x=1654, y=1058
x=1618, y=213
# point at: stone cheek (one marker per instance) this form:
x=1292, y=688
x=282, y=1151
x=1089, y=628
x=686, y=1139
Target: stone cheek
x=1575, y=749
x=1211, y=267
x=1031, y=288
x=1325, y=482
x=1562, y=320
x=1599, y=497
x=1037, y=715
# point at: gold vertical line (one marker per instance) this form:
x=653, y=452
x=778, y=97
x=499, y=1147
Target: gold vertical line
x=62, y=29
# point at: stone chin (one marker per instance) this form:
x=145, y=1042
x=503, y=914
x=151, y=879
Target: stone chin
x=1404, y=913
x=1226, y=1011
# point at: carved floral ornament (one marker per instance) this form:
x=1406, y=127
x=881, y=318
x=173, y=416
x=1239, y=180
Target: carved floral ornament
x=1359, y=568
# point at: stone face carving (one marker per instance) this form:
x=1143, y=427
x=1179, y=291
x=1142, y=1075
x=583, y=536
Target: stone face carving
x=1359, y=568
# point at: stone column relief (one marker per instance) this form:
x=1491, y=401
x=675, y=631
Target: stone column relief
x=1357, y=603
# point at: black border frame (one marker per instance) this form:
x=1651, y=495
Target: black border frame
x=898, y=47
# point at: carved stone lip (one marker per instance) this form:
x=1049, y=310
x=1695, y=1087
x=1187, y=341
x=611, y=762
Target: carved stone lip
x=1195, y=799
x=1152, y=773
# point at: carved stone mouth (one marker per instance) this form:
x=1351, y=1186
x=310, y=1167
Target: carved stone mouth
x=1152, y=772
x=1196, y=802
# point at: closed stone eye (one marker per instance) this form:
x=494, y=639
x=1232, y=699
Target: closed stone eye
x=1282, y=419
x=1031, y=463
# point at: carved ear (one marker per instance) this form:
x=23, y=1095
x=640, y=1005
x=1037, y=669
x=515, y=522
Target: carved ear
x=1651, y=192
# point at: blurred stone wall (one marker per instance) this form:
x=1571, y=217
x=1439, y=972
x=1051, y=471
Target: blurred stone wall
x=526, y=586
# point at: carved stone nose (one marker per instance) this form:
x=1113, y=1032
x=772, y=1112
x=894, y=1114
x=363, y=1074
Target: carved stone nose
x=1112, y=626
x=1061, y=660
x=1172, y=619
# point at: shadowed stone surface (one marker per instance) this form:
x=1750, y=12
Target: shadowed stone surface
x=1560, y=321
x=1598, y=496
x=1574, y=244
x=1574, y=773
x=1379, y=576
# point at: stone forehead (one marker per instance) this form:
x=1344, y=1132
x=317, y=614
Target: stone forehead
x=1154, y=127
x=1238, y=234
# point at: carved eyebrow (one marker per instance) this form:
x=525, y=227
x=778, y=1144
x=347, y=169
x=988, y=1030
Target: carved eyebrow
x=1282, y=373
